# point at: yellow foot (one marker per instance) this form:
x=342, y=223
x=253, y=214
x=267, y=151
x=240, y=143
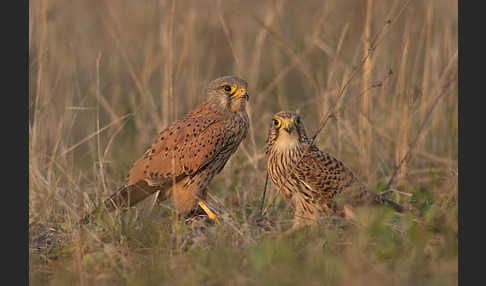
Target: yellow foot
x=210, y=214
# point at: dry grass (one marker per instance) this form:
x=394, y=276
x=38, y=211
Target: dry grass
x=106, y=76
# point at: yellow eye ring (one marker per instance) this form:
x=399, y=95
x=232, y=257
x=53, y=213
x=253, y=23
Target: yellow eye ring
x=277, y=122
x=229, y=89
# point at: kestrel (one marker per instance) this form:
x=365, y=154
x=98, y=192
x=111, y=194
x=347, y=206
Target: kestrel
x=186, y=155
x=313, y=182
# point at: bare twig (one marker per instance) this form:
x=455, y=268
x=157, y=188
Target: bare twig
x=407, y=156
x=228, y=35
x=263, y=196
x=93, y=134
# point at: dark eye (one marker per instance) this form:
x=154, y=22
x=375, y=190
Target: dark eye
x=277, y=122
x=227, y=88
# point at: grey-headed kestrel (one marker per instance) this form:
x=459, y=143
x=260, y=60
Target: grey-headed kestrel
x=186, y=155
x=313, y=182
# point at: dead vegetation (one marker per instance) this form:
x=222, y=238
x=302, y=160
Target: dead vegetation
x=380, y=77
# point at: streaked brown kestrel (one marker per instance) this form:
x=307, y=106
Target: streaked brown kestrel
x=311, y=181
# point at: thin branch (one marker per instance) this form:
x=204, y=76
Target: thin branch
x=407, y=156
x=93, y=135
x=264, y=191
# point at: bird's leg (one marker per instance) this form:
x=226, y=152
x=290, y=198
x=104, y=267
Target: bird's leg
x=210, y=213
x=186, y=200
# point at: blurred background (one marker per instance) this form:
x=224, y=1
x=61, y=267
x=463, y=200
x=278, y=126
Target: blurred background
x=107, y=76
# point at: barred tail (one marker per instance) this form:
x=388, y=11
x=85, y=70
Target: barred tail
x=395, y=206
x=377, y=198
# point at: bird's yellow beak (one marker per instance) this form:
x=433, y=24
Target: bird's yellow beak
x=288, y=126
x=241, y=93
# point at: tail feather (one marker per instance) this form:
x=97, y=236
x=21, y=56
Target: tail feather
x=124, y=197
x=395, y=206
x=379, y=199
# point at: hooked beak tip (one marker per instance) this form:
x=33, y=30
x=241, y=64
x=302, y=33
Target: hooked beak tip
x=243, y=96
x=289, y=128
x=241, y=93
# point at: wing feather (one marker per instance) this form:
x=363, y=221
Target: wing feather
x=182, y=148
x=327, y=176
x=323, y=173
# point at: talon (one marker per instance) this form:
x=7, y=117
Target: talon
x=210, y=214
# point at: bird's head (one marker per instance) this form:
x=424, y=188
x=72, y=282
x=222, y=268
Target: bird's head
x=228, y=93
x=286, y=131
